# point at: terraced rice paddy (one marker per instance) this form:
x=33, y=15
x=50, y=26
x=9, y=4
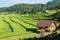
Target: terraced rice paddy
x=14, y=25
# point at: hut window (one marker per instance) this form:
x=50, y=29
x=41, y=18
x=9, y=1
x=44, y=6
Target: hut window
x=47, y=30
x=46, y=27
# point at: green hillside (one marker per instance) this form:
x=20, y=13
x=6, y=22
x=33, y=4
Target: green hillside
x=24, y=8
x=21, y=24
x=19, y=21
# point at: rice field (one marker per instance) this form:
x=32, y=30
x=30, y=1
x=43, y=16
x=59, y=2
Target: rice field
x=14, y=25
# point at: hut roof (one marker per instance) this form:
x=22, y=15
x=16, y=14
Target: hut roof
x=44, y=23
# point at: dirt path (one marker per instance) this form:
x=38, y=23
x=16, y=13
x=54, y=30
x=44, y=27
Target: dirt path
x=22, y=37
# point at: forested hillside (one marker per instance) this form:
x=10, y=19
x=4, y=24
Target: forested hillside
x=55, y=4
x=24, y=8
x=31, y=8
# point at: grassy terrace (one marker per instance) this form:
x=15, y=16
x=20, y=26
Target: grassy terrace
x=17, y=25
x=11, y=25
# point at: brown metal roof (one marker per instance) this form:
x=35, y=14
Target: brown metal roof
x=44, y=23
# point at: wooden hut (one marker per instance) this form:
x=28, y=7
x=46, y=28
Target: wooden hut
x=46, y=25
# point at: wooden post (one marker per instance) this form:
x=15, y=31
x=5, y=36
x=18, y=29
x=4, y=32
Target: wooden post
x=43, y=32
